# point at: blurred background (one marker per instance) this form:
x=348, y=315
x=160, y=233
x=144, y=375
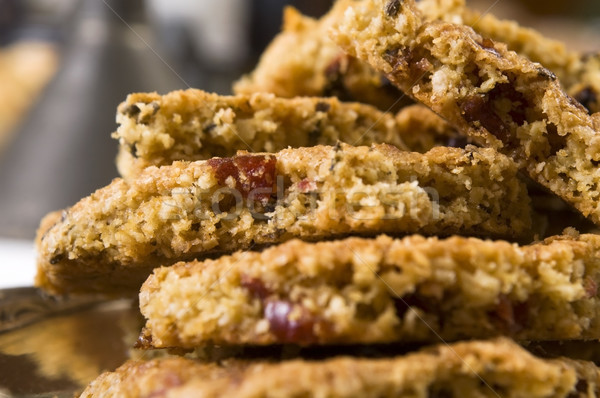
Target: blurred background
x=65, y=65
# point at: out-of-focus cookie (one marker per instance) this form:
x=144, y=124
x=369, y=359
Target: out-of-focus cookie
x=497, y=368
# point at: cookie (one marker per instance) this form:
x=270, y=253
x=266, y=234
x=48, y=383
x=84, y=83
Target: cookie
x=303, y=61
x=498, y=98
x=361, y=291
x=111, y=240
x=471, y=369
x=194, y=125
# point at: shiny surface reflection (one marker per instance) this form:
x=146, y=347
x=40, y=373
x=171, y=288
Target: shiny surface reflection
x=62, y=354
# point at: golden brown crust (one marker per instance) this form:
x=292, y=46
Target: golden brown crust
x=494, y=95
x=110, y=241
x=361, y=291
x=469, y=370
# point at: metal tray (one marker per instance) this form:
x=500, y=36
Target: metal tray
x=52, y=347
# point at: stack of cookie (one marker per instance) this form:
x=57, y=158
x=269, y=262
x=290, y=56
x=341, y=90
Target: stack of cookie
x=258, y=220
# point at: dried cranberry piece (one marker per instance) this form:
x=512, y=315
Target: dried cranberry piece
x=255, y=286
x=590, y=286
x=476, y=109
x=488, y=44
x=250, y=172
x=519, y=103
x=300, y=330
x=510, y=317
x=144, y=341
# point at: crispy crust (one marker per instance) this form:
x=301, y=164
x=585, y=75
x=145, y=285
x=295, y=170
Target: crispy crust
x=109, y=241
x=471, y=369
x=497, y=97
x=193, y=125
x=358, y=291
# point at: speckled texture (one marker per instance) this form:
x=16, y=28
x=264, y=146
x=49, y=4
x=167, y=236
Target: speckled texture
x=109, y=241
x=477, y=369
x=358, y=291
x=157, y=130
x=497, y=97
x=302, y=60
x=195, y=125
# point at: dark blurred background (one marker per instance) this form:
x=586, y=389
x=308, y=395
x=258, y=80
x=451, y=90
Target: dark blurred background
x=65, y=65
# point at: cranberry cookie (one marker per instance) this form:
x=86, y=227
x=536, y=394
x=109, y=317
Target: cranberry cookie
x=111, y=240
x=362, y=291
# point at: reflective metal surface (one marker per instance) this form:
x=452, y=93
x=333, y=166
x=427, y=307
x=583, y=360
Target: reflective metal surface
x=58, y=355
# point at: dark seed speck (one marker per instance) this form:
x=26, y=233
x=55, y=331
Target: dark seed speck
x=392, y=8
x=322, y=107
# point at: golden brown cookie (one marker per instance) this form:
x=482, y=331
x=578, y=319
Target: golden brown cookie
x=194, y=125
x=110, y=241
x=364, y=291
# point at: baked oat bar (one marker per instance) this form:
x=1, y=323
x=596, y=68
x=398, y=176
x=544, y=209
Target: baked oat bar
x=111, y=240
x=497, y=368
x=497, y=97
x=553, y=54
x=195, y=125
x=303, y=61
x=361, y=291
